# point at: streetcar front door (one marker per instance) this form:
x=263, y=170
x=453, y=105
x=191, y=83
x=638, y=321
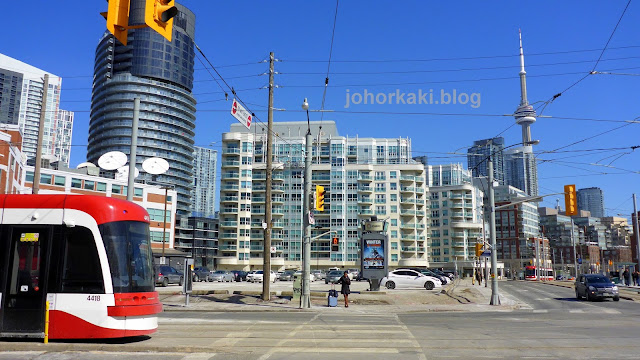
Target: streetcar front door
x=23, y=303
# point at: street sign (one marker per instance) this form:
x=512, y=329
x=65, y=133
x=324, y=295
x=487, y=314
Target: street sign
x=486, y=253
x=312, y=220
x=273, y=249
x=241, y=114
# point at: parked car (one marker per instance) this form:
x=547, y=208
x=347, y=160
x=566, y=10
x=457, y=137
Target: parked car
x=311, y=276
x=166, y=275
x=239, y=275
x=446, y=273
x=596, y=286
x=258, y=276
x=333, y=276
x=319, y=274
x=250, y=275
x=353, y=274
x=287, y=275
x=201, y=273
x=405, y=278
x=222, y=276
x=443, y=279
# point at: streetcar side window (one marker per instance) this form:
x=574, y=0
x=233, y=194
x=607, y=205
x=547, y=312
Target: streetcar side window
x=81, y=271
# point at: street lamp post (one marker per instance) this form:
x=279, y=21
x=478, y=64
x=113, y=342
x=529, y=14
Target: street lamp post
x=305, y=299
x=495, y=298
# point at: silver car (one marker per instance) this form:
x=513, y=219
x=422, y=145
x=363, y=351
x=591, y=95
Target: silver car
x=222, y=276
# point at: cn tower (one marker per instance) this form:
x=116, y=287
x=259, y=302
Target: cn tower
x=525, y=114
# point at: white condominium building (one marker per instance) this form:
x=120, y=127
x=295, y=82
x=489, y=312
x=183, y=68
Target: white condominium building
x=362, y=176
x=456, y=216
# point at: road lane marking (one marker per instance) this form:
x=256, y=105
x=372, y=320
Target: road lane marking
x=198, y=356
x=413, y=339
x=291, y=334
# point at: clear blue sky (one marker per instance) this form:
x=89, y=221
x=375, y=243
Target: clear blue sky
x=476, y=42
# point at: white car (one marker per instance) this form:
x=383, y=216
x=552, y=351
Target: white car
x=311, y=276
x=258, y=276
x=405, y=278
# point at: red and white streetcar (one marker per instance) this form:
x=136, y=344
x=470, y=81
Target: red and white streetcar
x=89, y=257
x=544, y=274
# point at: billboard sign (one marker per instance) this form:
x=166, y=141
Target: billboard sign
x=373, y=254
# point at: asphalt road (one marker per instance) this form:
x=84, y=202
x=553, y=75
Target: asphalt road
x=551, y=325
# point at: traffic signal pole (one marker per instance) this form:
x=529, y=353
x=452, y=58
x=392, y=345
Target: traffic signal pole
x=634, y=218
x=305, y=299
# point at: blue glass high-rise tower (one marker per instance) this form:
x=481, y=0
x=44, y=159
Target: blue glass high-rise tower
x=160, y=73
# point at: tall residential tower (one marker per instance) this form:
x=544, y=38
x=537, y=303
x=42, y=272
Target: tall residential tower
x=160, y=73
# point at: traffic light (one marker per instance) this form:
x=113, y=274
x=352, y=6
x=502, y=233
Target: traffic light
x=158, y=15
x=117, y=16
x=570, y=200
x=335, y=244
x=479, y=249
x=320, y=192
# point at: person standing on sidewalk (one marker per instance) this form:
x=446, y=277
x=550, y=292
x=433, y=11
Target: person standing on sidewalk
x=345, y=290
x=635, y=277
x=625, y=276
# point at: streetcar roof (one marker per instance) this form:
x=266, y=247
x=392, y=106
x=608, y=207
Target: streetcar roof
x=103, y=209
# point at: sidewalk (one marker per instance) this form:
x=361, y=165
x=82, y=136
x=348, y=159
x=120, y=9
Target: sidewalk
x=461, y=295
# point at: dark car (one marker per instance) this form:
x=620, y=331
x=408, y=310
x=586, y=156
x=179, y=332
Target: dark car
x=333, y=276
x=201, y=273
x=239, y=275
x=287, y=275
x=596, y=286
x=166, y=275
x=443, y=279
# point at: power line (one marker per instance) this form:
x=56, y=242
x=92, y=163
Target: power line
x=452, y=70
x=457, y=58
x=326, y=80
x=459, y=81
x=611, y=36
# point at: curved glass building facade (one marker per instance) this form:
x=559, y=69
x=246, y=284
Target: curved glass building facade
x=160, y=73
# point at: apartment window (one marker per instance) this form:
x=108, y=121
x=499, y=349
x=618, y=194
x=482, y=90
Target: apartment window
x=29, y=176
x=445, y=222
x=394, y=245
x=76, y=183
x=247, y=160
x=59, y=180
x=137, y=192
x=394, y=234
x=394, y=257
x=394, y=209
x=394, y=197
x=394, y=222
x=393, y=175
x=100, y=186
x=381, y=210
x=444, y=194
x=380, y=175
x=435, y=213
x=46, y=179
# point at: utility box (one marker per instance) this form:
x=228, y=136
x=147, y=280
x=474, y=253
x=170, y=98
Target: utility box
x=187, y=282
x=374, y=264
x=297, y=288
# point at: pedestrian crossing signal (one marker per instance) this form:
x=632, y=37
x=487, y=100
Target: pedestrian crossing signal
x=335, y=244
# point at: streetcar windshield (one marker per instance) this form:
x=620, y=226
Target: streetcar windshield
x=129, y=253
x=530, y=272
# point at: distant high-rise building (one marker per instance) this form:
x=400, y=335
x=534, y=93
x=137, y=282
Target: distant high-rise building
x=520, y=169
x=21, y=91
x=477, y=158
x=160, y=73
x=592, y=200
x=203, y=193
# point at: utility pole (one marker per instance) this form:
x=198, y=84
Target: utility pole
x=495, y=298
x=134, y=145
x=537, y=260
x=43, y=112
x=305, y=299
x=575, y=255
x=266, y=249
x=634, y=218
x=164, y=222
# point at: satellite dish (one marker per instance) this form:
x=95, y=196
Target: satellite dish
x=155, y=166
x=112, y=160
x=84, y=165
x=123, y=173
